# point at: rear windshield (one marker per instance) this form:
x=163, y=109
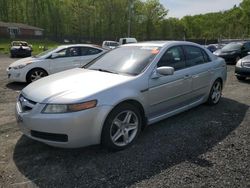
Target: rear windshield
x=131, y=60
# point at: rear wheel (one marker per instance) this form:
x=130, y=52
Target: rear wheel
x=122, y=127
x=36, y=74
x=215, y=93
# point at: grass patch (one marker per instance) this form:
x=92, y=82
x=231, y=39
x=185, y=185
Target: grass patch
x=37, y=45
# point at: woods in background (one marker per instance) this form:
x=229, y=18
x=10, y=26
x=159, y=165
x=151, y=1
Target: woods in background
x=95, y=20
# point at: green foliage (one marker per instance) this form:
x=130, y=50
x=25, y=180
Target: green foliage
x=97, y=20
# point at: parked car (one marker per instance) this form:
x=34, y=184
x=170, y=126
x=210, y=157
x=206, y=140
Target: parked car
x=234, y=51
x=52, y=61
x=112, y=98
x=20, y=49
x=242, y=68
x=127, y=41
x=110, y=45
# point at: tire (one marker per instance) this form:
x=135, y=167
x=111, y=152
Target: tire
x=35, y=74
x=215, y=93
x=241, y=78
x=121, y=127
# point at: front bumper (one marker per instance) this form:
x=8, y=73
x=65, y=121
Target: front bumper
x=15, y=75
x=242, y=71
x=67, y=130
x=20, y=52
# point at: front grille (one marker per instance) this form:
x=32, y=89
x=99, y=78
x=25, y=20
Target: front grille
x=49, y=136
x=26, y=104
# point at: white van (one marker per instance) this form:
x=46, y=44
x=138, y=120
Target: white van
x=127, y=41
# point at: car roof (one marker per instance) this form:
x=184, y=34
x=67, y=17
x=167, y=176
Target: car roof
x=161, y=43
x=79, y=45
x=18, y=41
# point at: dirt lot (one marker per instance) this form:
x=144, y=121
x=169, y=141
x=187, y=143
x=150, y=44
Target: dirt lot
x=203, y=147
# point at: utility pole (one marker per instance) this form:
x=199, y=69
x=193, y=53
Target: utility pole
x=130, y=6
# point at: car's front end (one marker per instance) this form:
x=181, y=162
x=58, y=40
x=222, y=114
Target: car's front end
x=67, y=109
x=64, y=125
x=20, y=51
x=242, y=68
x=229, y=56
x=18, y=70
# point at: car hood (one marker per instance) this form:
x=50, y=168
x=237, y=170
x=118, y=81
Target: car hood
x=24, y=61
x=221, y=51
x=71, y=86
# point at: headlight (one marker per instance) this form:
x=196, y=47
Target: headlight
x=239, y=63
x=65, y=108
x=21, y=66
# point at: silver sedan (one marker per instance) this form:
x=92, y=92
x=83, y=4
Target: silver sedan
x=114, y=97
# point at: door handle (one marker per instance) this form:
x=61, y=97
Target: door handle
x=187, y=76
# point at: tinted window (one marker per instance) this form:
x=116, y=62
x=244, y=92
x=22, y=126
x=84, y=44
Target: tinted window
x=89, y=51
x=247, y=46
x=126, y=60
x=93, y=51
x=173, y=57
x=69, y=52
x=205, y=56
x=194, y=56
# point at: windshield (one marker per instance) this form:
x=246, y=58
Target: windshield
x=232, y=46
x=130, y=60
x=19, y=43
x=45, y=53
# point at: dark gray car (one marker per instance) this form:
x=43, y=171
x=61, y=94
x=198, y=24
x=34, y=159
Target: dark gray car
x=242, y=68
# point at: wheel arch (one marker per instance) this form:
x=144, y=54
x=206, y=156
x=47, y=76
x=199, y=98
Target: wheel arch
x=136, y=104
x=35, y=68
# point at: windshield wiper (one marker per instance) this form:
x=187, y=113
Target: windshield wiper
x=103, y=70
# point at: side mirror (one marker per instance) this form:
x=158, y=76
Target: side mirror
x=248, y=53
x=163, y=71
x=54, y=55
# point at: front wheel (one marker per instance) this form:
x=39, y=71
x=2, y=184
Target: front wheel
x=122, y=127
x=36, y=74
x=215, y=93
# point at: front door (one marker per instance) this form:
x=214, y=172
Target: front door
x=168, y=93
x=68, y=58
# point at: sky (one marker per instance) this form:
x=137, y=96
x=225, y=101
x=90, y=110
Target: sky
x=180, y=8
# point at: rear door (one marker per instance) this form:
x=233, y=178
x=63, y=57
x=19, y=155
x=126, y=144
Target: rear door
x=200, y=66
x=68, y=58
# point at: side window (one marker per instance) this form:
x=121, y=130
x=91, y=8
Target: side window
x=93, y=51
x=205, y=56
x=62, y=53
x=72, y=52
x=84, y=51
x=247, y=46
x=69, y=52
x=194, y=56
x=173, y=57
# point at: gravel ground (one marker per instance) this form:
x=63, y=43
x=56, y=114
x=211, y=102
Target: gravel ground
x=203, y=147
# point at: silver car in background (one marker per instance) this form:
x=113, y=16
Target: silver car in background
x=112, y=98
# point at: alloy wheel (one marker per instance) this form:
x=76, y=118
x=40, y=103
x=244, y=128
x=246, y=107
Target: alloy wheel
x=124, y=128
